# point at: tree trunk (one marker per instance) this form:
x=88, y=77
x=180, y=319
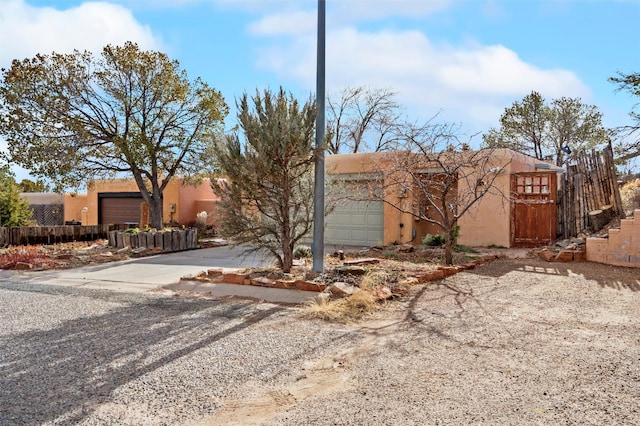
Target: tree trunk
x=287, y=259
x=155, y=212
x=599, y=218
x=448, y=247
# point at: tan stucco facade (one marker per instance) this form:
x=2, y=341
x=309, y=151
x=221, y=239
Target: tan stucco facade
x=487, y=222
x=181, y=202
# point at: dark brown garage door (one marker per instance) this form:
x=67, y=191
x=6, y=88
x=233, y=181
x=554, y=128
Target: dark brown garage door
x=117, y=210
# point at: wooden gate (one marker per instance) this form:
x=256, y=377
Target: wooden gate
x=533, y=209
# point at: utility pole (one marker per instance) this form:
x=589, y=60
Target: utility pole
x=318, y=193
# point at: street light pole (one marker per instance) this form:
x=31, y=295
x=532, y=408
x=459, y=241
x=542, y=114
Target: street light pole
x=318, y=193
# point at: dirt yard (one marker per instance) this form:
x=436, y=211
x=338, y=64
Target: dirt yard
x=517, y=341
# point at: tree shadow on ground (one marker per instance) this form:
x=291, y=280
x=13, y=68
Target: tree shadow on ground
x=61, y=374
x=607, y=276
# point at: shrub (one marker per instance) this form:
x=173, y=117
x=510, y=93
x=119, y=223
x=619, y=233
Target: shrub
x=439, y=240
x=352, y=308
x=14, y=210
x=302, y=252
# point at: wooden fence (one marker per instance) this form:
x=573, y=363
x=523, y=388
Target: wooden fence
x=165, y=240
x=589, y=196
x=26, y=235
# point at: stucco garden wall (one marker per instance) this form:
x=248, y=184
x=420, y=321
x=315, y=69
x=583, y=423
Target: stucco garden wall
x=196, y=198
x=73, y=208
x=622, y=248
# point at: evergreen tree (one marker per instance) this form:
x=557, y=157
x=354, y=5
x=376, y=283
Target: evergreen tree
x=267, y=191
x=14, y=210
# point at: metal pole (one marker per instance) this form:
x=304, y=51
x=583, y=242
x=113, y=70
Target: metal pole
x=318, y=193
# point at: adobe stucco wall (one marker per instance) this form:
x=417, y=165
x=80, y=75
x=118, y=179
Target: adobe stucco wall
x=622, y=248
x=187, y=199
x=73, y=205
x=487, y=222
x=170, y=196
x=196, y=198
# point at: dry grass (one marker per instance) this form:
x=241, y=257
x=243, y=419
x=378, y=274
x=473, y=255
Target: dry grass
x=356, y=307
x=630, y=193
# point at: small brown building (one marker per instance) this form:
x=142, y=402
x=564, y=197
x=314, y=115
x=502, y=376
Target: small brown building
x=523, y=215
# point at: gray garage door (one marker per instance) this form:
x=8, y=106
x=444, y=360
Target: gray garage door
x=356, y=223
x=118, y=210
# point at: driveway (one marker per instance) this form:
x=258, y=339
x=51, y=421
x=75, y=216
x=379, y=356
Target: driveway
x=146, y=273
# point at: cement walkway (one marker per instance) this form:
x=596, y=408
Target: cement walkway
x=164, y=272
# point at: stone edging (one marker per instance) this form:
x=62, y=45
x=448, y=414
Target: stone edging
x=447, y=271
x=220, y=277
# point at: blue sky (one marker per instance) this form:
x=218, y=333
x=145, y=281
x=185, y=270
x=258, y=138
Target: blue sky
x=466, y=60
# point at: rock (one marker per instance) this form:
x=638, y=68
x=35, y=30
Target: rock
x=323, y=297
x=430, y=276
x=339, y=254
x=381, y=293
x=342, y=289
x=578, y=241
x=546, y=255
x=139, y=250
x=449, y=270
x=309, y=286
x=353, y=270
x=214, y=272
x=263, y=282
x=285, y=284
x=404, y=248
x=23, y=266
x=234, y=278
x=365, y=261
x=564, y=256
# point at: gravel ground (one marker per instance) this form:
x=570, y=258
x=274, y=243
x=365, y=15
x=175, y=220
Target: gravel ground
x=514, y=342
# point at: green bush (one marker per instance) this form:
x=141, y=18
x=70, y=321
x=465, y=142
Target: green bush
x=302, y=252
x=433, y=240
x=439, y=240
x=14, y=210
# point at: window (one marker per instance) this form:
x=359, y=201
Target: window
x=532, y=185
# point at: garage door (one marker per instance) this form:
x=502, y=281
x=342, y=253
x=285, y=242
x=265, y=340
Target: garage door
x=117, y=210
x=356, y=223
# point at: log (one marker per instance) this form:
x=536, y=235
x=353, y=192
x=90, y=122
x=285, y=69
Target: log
x=599, y=218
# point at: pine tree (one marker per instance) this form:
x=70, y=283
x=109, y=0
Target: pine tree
x=267, y=190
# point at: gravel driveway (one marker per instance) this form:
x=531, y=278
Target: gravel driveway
x=513, y=342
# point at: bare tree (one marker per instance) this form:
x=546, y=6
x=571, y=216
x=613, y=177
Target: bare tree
x=437, y=178
x=363, y=119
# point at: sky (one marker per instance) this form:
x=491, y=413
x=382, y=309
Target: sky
x=463, y=61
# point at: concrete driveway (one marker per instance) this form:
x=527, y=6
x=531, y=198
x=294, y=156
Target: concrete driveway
x=147, y=273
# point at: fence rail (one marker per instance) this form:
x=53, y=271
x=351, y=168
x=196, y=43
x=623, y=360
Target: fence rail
x=588, y=186
x=27, y=235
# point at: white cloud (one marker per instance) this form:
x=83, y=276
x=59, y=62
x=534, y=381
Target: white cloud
x=470, y=83
x=289, y=23
x=26, y=30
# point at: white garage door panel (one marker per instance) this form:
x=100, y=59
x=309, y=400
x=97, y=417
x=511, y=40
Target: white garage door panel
x=357, y=223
